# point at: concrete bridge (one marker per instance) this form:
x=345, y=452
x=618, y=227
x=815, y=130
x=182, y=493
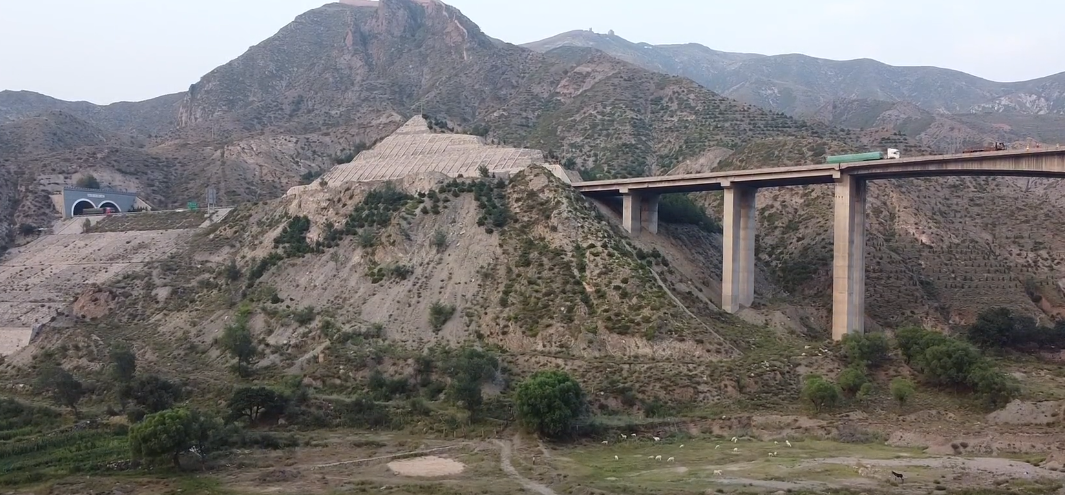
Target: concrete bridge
x=641, y=195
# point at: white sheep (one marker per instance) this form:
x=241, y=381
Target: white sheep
x=658, y=458
x=682, y=445
x=788, y=442
x=656, y=438
x=735, y=449
x=624, y=436
x=669, y=460
x=718, y=446
x=605, y=442
x=734, y=439
x=717, y=472
x=615, y=458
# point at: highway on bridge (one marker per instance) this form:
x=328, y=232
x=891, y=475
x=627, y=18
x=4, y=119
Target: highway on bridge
x=641, y=195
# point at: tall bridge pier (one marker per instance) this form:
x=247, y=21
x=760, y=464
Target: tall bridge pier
x=850, y=180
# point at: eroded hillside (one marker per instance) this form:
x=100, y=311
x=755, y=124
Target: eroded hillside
x=332, y=277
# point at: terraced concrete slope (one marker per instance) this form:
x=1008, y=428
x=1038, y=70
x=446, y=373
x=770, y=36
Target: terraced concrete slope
x=414, y=149
x=41, y=279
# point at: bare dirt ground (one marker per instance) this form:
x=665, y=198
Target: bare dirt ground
x=428, y=466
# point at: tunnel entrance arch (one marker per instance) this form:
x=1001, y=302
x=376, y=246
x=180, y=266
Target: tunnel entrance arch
x=110, y=204
x=80, y=206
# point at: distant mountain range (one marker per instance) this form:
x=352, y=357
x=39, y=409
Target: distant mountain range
x=800, y=85
x=942, y=108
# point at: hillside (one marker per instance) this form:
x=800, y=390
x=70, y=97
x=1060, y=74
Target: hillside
x=144, y=118
x=799, y=84
x=343, y=76
x=363, y=299
x=943, y=132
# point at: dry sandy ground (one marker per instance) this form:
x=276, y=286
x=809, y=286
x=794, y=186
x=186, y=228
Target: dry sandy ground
x=428, y=466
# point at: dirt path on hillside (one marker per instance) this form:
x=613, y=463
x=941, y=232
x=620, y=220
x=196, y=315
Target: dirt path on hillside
x=504, y=462
x=681, y=305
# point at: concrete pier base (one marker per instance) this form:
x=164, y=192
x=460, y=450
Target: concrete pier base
x=630, y=213
x=639, y=211
x=739, y=229
x=848, y=266
x=649, y=212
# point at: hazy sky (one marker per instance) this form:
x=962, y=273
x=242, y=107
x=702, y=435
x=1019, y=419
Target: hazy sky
x=112, y=50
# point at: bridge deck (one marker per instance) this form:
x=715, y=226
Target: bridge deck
x=1022, y=163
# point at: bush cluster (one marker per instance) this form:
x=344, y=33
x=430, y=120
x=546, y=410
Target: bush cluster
x=951, y=363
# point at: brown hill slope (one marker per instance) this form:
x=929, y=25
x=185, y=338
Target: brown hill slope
x=551, y=284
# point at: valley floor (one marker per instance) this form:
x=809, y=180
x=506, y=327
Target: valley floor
x=348, y=462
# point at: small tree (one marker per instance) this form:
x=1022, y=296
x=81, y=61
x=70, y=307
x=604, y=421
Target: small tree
x=255, y=403
x=994, y=387
x=88, y=181
x=901, y=390
x=61, y=385
x=123, y=364
x=550, y=403
x=440, y=240
x=866, y=349
x=950, y=363
x=152, y=393
x=993, y=329
x=483, y=171
x=821, y=393
x=852, y=379
x=236, y=339
x=171, y=433
x=470, y=369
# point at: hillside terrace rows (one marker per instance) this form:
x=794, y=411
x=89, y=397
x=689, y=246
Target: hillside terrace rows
x=414, y=149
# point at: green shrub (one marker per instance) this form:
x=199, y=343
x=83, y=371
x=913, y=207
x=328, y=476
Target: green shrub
x=304, y=315
x=852, y=379
x=550, y=403
x=439, y=315
x=866, y=349
x=820, y=393
x=994, y=387
x=151, y=393
x=901, y=390
x=87, y=181
x=362, y=412
x=170, y=433
x=255, y=404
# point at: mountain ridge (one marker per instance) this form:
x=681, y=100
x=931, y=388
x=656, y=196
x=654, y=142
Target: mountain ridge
x=787, y=83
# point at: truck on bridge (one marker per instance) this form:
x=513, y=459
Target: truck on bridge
x=864, y=157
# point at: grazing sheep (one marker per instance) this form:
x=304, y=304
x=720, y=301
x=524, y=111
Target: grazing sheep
x=788, y=442
x=658, y=458
x=615, y=458
x=735, y=449
x=718, y=446
x=656, y=438
x=605, y=442
x=624, y=436
x=669, y=460
x=734, y=439
x=717, y=472
x=898, y=475
x=682, y=445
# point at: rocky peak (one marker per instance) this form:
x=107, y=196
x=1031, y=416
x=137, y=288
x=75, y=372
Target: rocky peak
x=326, y=60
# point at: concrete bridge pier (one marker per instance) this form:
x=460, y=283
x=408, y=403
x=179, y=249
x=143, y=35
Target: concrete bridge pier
x=739, y=229
x=848, y=266
x=639, y=211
